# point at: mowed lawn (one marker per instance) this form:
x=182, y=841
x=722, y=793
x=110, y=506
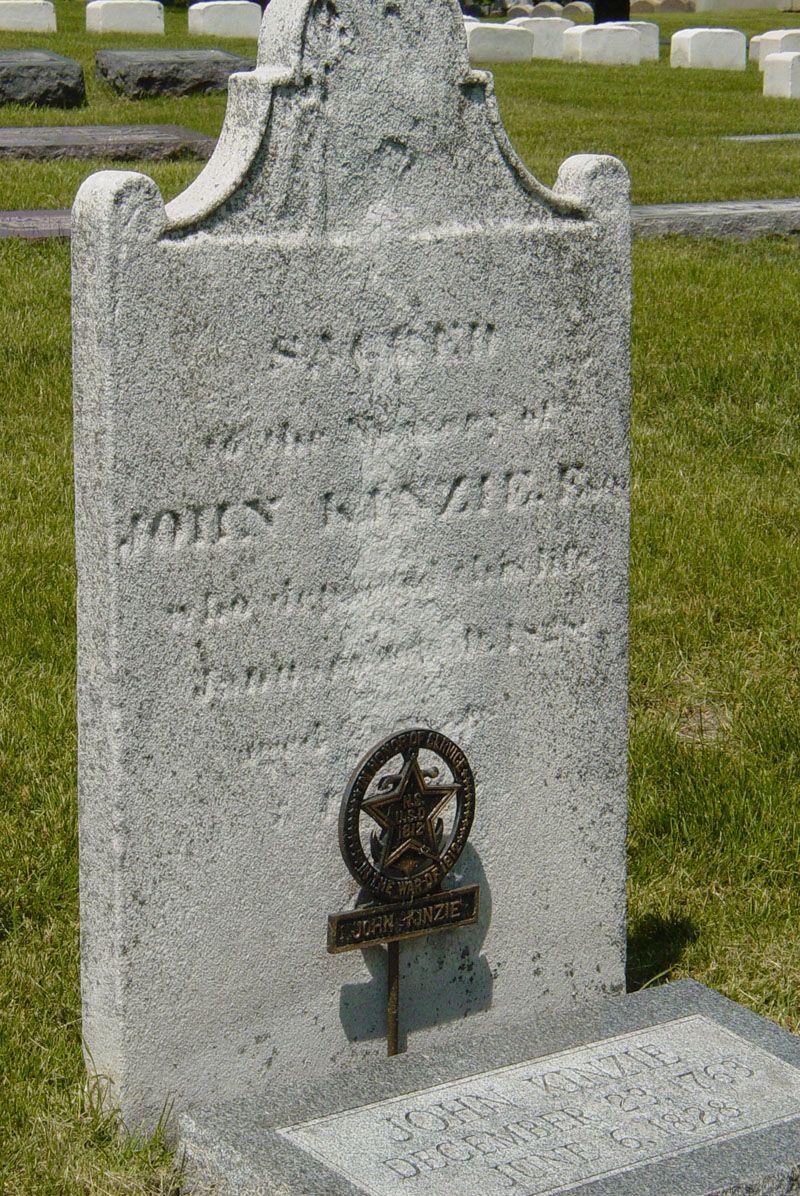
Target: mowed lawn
x=715, y=647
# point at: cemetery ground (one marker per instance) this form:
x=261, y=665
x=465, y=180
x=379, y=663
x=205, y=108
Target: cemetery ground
x=715, y=635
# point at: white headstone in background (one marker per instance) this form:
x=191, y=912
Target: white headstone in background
x=124, y=16
x=33, y=16
x=225, y=18
x=649, y=34
x=331, y=485
x=710, y=49
x=778, y=41
x=782, y=75
x=499, y=43
x=607, y=44
x=548, y=34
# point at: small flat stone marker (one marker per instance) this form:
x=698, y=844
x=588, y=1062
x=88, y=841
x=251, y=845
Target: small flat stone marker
x=42, y=78
x=34, y=16
x=35, y=224
x=140, y=73
x=676, y=1090
x=760, y=137
x=151, y=143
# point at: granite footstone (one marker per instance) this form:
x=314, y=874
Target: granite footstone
x=42, y=78
x=671, y=1090
x=152, y=143
x=138, y=74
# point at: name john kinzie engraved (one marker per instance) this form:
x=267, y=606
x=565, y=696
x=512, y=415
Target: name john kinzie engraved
x=548, y=1125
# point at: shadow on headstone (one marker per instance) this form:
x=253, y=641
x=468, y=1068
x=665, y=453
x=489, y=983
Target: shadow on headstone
x=443, y=977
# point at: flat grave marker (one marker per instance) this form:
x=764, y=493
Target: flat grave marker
x=135, y=142
x=42, y=78
x=138, y=74
x=671, y=1090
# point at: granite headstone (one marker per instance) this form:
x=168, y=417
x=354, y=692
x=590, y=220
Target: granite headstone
x=330, y=486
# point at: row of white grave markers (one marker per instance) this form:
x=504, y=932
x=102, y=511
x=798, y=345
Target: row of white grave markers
x=631, y=42
x=219, y=18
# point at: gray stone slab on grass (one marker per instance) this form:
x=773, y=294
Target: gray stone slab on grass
x=141, y=73
x=734, y=219
x=36, y=223
x=341, y=489
x=121, y=142
x=672, y=1090
x=761, y=137
x=42, y=78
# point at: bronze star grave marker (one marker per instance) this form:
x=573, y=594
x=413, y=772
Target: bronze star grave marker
x=402, y=826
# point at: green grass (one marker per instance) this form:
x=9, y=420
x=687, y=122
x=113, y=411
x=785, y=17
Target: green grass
x=715, y=672
x=665, y=124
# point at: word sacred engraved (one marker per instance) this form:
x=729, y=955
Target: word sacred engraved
x=549, y=1125
x=384, y=923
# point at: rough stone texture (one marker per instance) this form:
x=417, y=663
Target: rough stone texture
x=225, y=18
x=737, y=220
x=499, y=43
x=643, y=6
x=124, y=16
x=778, y=41
x=547, y=9
x=578, y=10
x=42, y=78
x=781, y=75
x=649, y=33
x=36, y=224
x=125, y=142
x=605, y=44
x=520, y=10
x=672, y=1090
x=329, y=485
x=35, y=16
x=548, y=34
x=709, y=49
x=140, y=73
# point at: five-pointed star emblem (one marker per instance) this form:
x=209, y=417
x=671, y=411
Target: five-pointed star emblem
x=407, y=814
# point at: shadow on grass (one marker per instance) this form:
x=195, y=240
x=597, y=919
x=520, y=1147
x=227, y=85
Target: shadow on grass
x=655, y=947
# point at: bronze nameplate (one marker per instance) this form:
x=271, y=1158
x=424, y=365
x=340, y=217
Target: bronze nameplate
x=388, y=923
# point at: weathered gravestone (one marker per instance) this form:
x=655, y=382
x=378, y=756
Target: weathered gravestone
x=139, y=74
x=331, y=486
x=42, y=78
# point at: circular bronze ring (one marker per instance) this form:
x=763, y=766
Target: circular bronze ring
x=428, y=878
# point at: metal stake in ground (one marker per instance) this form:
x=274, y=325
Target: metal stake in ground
x=405, y=817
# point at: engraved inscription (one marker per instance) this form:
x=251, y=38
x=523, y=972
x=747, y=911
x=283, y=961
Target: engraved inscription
x=446, y=498
x=168, y=530
x=405, y=344
x=549, y=1125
